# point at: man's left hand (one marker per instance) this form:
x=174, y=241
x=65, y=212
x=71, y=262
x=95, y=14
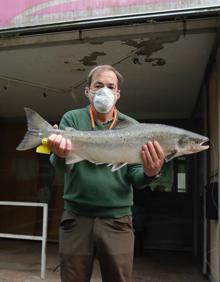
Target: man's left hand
x=153, y=158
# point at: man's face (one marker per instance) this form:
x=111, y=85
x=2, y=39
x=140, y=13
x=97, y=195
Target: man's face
x=104, y=78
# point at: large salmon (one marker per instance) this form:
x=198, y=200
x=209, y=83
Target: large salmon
x=114, y=147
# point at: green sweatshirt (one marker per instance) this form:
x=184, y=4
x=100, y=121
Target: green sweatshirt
x=94, y=190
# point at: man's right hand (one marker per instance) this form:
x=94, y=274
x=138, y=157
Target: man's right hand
x=59, y=145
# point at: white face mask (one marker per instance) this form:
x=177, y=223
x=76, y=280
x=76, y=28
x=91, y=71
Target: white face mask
x=104, y=100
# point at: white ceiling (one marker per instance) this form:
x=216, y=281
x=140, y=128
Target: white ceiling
x=162, y=65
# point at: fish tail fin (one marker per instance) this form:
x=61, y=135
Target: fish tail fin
x=36, y=128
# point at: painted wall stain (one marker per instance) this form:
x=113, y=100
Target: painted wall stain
x=156, y=61
x=144, y=47
x=147, y=47
x=81, y=69
x=96, y=42
x=90, y=60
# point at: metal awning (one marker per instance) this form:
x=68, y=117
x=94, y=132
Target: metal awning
x=45, y=14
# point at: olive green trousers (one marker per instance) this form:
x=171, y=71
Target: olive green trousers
x=110, y=240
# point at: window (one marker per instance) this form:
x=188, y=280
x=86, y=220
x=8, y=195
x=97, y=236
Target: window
x=181, y=175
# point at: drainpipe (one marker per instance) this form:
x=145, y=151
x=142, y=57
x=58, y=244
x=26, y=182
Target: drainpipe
x=218, y=109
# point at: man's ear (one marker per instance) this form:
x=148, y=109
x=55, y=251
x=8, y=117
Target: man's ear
x=87, y=92
x=118, y=95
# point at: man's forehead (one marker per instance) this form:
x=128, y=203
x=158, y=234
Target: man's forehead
x=106, y=75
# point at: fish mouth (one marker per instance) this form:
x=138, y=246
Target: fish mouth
x=204, y=145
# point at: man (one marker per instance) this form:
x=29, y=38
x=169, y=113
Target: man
x=97, y=202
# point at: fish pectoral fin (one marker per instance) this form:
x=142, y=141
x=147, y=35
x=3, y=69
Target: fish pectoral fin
x=170, y=156
x=73, y=158
x=117, y=166
x=95, y=162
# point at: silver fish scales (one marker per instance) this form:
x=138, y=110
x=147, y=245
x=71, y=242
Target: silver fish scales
x=115, y=147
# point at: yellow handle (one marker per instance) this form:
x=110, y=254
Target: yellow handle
x=43, y=148
x=44, y=141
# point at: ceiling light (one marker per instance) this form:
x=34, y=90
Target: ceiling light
x=5, y=86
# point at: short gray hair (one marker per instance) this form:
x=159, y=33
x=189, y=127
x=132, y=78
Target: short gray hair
x=102, y=68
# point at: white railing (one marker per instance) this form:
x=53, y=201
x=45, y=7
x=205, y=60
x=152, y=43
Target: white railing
x=42, y=238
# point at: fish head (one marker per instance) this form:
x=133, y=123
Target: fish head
x=192, y=143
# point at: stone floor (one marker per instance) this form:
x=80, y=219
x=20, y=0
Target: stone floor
x=20, y=262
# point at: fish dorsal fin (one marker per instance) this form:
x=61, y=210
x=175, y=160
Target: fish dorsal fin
x=124, y=124
x=171, y=156
x=73, y=158
x=117, y=166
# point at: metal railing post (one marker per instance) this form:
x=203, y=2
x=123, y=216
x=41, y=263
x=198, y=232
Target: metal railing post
x=42, y=238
